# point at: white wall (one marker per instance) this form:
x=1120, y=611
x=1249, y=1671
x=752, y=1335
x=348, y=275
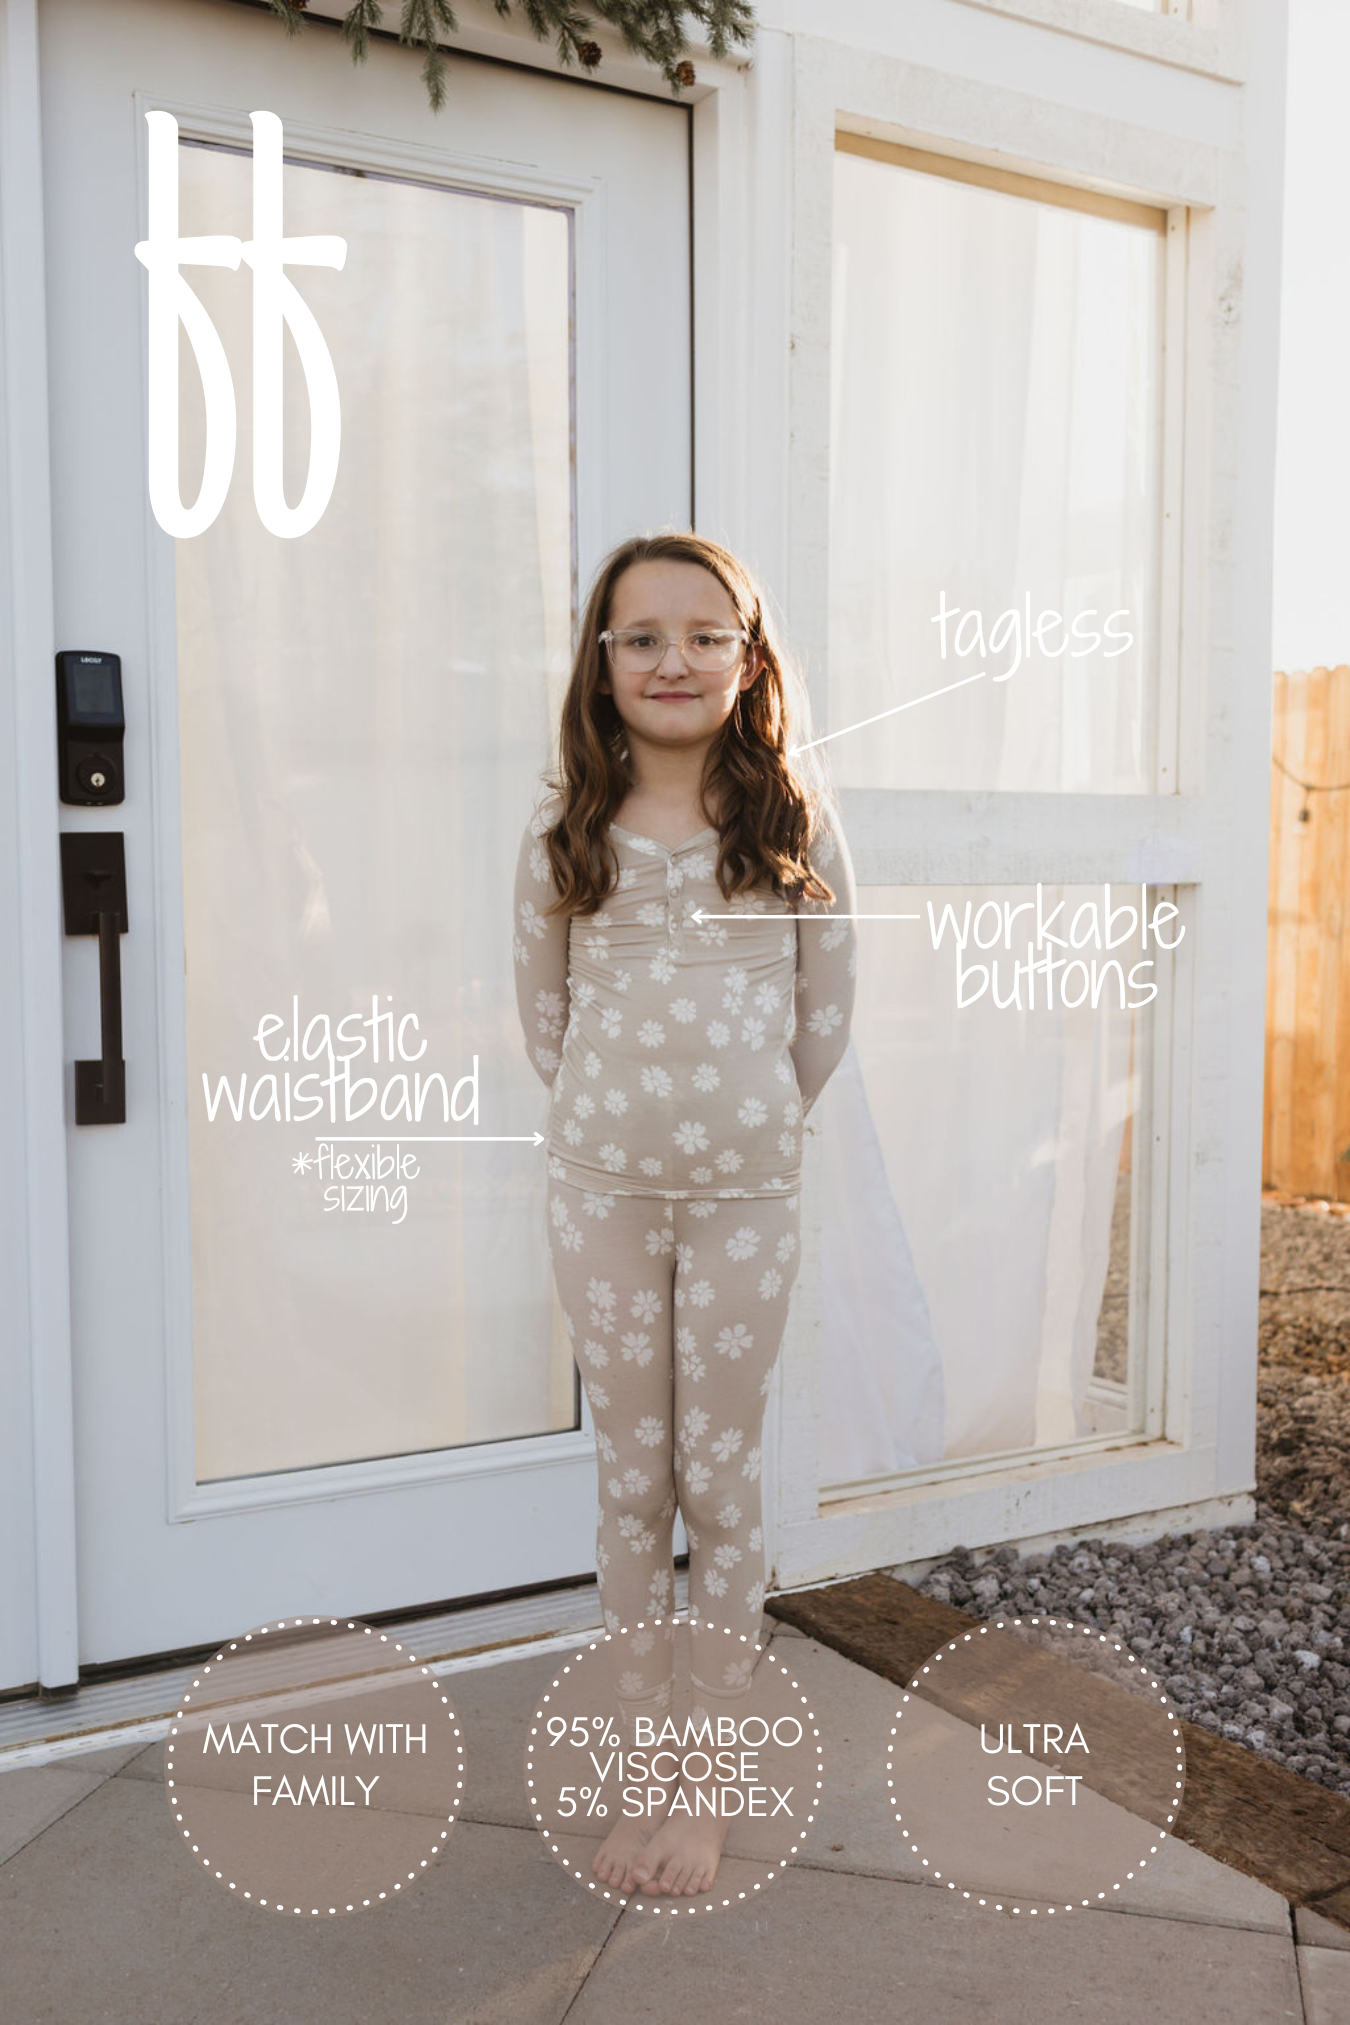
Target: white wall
x=1312, y=496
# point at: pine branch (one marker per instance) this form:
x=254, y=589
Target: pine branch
x=357, y=23
x=288, y=12
x=423, y=22
x=651, y=29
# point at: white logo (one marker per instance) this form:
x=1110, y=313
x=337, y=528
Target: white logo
x=276, y=301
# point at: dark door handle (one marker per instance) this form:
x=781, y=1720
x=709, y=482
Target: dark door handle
x=94, y=901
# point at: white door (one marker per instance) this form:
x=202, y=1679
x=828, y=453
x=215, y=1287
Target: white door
x=291, y=1391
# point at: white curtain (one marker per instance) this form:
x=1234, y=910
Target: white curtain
x=972, y=1165
x=973, y=1205
x=363, y=717
x=996, y=378
x=995, y=431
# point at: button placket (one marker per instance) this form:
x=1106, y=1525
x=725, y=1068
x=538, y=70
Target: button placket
x=674, y=892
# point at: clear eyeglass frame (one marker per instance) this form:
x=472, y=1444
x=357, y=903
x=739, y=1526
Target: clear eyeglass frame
x=729, y=641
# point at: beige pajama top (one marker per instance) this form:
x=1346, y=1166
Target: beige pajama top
x=683, y=1036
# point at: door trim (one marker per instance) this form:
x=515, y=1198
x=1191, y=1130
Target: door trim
x=40, y=1465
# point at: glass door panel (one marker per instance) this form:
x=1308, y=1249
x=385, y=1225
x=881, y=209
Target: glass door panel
x=362, y=714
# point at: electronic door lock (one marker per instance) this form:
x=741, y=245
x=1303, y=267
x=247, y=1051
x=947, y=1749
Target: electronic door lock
x=92, y=724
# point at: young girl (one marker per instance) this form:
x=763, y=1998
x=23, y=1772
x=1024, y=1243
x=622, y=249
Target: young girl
x=686, y=1008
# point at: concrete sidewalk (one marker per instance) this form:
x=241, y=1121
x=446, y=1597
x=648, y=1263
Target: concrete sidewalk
x=103, y=1919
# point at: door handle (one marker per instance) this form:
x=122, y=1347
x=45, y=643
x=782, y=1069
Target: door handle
x=94, y=901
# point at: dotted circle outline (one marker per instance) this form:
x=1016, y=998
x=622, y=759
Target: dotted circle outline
x=593, y=1884
x=352, y=1625
x=1089, y=1631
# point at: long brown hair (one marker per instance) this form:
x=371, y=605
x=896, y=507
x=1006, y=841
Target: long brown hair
x=767, y=812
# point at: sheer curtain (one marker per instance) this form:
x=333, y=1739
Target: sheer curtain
x=363, y=716
x=996, y=382
x=971, y=1161
x=996, y=378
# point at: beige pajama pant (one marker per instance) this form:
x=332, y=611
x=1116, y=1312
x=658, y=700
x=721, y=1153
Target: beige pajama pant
x=675, y=1311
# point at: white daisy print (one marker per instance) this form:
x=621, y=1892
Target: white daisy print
x=733, y=1341
x=752, y=1112
x=730, y=1160
x=656, y=1082
x=692, y=1366
x=786, y=1246
x=616, y=1102
x=598, y=1206
x=714, y=1582
x=690, y=1135
x=750, y=1467
x=697, y=1477
x=631, y=1683
x=719, y=1034
x=739, y=1671
x=683, y=1010
x=706, y=1077
x=661, y=969
x=743, y=1243
x=571, y=1132
x=583, y=1104
x=727, y=1444
x=649, y=1166
x=730, y=1515
x=636, y=1346
x=646, y=1306
x=613, y=1157
x=707, y=1207
x=770, y=1283
x=700, y=1176
x=651, y=1034
x=694, y=1424
x=825, y=1019
x=701, y=1293
x=752, y=1033
x=592, y=1065
x=726, y=1556
x=650, y=1431
x=611, y=1022
x=551, y=1011
x=660, y=1241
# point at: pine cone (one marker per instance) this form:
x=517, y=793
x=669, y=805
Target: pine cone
x=588, y=54
x=684, y=72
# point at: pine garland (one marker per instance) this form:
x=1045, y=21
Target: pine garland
x=653, y=29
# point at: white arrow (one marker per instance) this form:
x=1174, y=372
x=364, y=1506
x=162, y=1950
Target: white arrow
x=699, y=914
x=913, y=702
x=427, y=1138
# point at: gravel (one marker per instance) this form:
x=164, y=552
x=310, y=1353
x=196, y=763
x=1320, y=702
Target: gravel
x=1247, y=1628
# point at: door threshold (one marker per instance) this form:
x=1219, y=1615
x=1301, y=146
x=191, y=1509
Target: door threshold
x=138, y=1708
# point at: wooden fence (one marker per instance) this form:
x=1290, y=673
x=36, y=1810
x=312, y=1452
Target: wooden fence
x=1307, y=1116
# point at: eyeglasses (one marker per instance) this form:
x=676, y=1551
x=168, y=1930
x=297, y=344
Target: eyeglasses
x=639, y=651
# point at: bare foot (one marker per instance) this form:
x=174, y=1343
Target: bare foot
x=681, y=1858
x=614, y=1861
